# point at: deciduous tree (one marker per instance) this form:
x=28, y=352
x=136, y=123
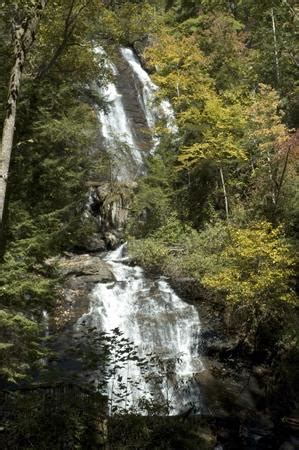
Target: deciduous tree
x=25, y=19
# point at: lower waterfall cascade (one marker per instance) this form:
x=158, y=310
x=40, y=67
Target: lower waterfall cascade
x=152, y=317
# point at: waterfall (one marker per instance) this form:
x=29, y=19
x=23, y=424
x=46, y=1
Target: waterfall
x=152, y=110
x=45, y=322
x=158, y=323
x=117, y=131
x=148, y=87
x=160, y=331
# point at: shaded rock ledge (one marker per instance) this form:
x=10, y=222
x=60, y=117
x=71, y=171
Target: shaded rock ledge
x=109, y=206
x=81, y=273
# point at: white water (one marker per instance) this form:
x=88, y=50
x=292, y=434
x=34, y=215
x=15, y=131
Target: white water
x=45, y=321
x=147, y=311
x=157, y=322
x=127, y=157
x=148, y=87
x=152, y=110
x=117, y=131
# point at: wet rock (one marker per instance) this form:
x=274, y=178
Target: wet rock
x=93, y=243
x=72, y=304
x=261, y=371
x=221, y=348
x=109, y=205
x=131, y=89
x=257, y=434
x=111, y=240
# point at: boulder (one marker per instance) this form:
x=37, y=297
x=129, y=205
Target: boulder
x=87, y=266
x=81, y=273
x=111, y=240
x=93, y=243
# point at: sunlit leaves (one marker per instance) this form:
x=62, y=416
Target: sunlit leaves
x=210, y=128
x=265, y=125
x=256, y=266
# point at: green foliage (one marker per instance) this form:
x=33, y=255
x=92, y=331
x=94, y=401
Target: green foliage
x=178, y=249
x=53, y=416
x=223, y=40
x=51, y=162
x=129, y=22
x=251, y=268
x=152, y=202
x=220, y=23
x=211, y=126
x=227, y=121
x=19, y=345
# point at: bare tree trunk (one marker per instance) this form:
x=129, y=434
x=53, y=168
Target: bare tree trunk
x=275, y=47
x=282, y=175
x=24, y=36
x=224, y=193
x=272, y=181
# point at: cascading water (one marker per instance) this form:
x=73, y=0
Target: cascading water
x=164, y=329
x=148, y=87
x=151, y=109
x=117, y=132
x=158, y=323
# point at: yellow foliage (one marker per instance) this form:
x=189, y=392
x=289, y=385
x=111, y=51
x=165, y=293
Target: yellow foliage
x=255, y=267
x=210, y=128
x=264, y=121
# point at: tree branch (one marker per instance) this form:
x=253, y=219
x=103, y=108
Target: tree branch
x=69, y=28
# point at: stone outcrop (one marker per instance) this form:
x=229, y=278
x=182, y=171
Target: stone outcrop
x=131, y=90
x=81, y=273
x=109, y=205
x=85, y=266
x=92, y=243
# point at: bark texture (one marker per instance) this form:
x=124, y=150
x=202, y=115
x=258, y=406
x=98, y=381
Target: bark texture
x=224, y=193
x=24, y=36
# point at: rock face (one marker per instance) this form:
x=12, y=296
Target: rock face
x=109, y=204
x=131, y=90
x=125, y=139
x=93, y=243
x=81, y=273
x=86, y=266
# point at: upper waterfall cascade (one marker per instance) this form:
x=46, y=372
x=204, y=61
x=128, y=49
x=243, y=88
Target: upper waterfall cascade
x=146, y=97
x=117, y=127
x=151, y=108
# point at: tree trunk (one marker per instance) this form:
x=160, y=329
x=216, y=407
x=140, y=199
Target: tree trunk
x=24, y=36
x=224, y=193
x=275, y=47
x=272, y=181
x=282, y=175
